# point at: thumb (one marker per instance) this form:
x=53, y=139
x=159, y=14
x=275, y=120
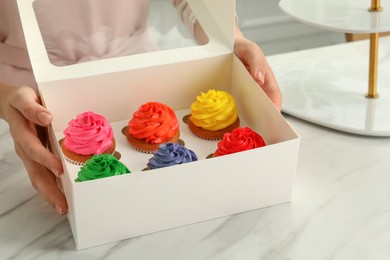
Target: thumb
x=26, y=101
x=255, y=68
x=259, y=75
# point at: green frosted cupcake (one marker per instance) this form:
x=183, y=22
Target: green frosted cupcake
x=101, y=166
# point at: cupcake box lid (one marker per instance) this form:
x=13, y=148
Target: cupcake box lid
x=216, y=18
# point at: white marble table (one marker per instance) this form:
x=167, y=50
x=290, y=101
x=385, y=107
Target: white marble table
x=340, y=210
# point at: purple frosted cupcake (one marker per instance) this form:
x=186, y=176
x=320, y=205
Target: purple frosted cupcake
x=170, y=154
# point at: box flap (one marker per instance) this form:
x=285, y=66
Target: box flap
x=215, y=16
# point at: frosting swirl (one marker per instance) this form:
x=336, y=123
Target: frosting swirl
x=101, y=166
x=170, y=154
x=214, y=110
x=155, y=122
x=89, y=133
x=240, y=139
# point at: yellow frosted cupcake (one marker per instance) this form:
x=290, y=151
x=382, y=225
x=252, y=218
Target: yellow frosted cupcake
x=213, y=114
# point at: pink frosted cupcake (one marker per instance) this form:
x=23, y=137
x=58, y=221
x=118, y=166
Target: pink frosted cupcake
x=86, y=135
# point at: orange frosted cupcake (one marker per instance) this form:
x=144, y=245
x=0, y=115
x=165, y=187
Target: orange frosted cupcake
x=213, y=114
x=152, y=124
x=240, y=139
x=86, y=135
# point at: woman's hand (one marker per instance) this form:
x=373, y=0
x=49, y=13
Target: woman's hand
x=20, y=107
x=254, y=60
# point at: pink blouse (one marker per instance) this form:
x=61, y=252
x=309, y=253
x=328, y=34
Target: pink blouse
x=74, y=31
x=15, y=65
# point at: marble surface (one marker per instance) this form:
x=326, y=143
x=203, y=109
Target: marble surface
x=340, y=210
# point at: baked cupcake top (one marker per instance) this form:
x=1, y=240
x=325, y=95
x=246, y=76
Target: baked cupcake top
x=88, y=133
x=170, y=154
x=240, y=139
x=155, y=122
x=101, y=166
x=214, y=110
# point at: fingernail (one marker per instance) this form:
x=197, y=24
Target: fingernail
x=59, y=210
x=260, y=77
x=45, y=118
x=56, y=173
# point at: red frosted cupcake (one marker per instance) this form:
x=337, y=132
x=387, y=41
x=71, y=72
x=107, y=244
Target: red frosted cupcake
x=240, y=139
x=86, y=135
x=152, y=124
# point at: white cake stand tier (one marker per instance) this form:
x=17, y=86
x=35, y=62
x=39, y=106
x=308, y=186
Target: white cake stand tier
x=328, y=86
x=350, y=16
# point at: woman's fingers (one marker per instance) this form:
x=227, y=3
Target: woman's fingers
x=267, y=81
x=44, y=182
x=25, y=135
x=26, y=119
x=24, y=112
x=26, y=101
x=254, y=60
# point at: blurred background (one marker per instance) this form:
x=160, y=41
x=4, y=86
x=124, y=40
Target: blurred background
x=263, y=22
x=260, y=20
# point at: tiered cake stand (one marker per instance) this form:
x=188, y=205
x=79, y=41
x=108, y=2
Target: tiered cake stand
x=334, y=93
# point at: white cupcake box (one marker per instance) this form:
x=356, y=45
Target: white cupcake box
x=116, y=208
